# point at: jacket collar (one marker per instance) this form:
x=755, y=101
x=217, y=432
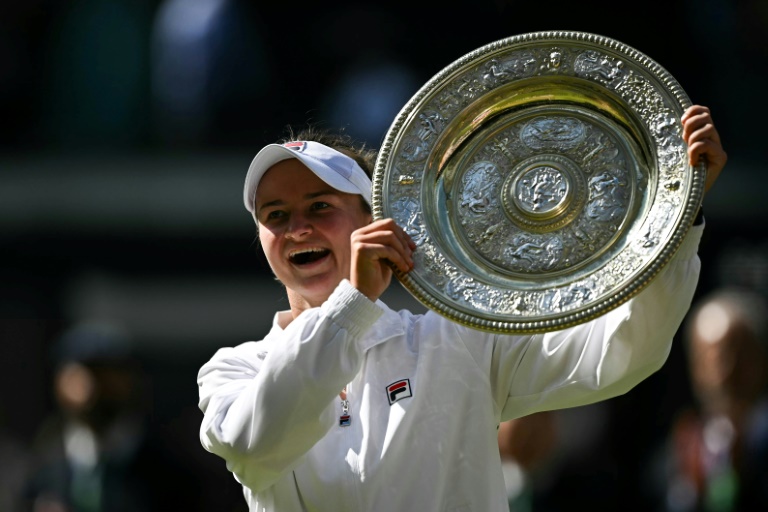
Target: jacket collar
x=388, y=326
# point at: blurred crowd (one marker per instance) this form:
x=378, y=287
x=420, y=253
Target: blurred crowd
x=98, y=449
x=111, y=74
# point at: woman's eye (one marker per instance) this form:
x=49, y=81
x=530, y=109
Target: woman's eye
x=320, y=205
x=274, y=214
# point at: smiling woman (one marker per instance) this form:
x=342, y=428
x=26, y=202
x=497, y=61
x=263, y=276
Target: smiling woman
x=330, y=409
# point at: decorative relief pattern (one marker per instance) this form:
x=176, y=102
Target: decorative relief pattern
x=567, y=192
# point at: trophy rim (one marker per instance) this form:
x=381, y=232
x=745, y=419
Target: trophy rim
x=417, y=282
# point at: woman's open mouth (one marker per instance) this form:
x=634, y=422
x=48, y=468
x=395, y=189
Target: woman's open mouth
x=306, y=256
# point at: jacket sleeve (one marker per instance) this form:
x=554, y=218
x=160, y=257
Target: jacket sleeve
x=602, y=358
x=267, y=403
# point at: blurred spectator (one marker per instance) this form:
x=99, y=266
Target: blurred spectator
x=210, y=72
x=95, y=453
x=526, y=445
x=716, y=457
x=553, y=459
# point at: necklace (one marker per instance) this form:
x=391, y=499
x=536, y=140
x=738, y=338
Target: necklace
x=345, y=419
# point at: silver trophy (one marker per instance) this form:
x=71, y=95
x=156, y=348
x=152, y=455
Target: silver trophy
x=544, y=179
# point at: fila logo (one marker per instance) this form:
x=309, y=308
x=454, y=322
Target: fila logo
x=296, y=145
x=398, y=390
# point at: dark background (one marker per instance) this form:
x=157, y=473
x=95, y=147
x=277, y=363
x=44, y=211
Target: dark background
x=128, y=125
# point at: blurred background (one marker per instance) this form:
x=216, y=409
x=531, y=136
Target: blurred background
x=129, y=126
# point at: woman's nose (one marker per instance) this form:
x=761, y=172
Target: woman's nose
x=299, y=227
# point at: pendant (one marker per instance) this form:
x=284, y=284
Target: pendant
x=345, y=419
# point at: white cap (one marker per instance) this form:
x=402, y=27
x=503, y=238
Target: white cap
x=333, y=167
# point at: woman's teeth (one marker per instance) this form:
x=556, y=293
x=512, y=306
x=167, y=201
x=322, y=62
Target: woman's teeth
x=307, y=255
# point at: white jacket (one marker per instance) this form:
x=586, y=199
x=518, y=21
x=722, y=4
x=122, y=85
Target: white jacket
x=425, y=397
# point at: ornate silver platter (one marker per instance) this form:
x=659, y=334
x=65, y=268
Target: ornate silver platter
x=544, y=179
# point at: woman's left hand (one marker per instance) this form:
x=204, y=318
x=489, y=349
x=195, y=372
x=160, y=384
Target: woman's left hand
x=703, y=141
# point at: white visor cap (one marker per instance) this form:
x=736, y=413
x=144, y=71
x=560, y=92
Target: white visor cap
x=335, y=168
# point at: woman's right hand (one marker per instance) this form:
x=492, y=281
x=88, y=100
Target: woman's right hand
x=374, y=247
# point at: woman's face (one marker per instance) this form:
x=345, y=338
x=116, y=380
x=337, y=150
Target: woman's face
x=304, y=229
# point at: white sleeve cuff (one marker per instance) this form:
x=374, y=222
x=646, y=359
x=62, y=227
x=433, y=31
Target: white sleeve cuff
x=351, y=309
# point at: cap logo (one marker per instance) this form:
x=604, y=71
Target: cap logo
x=398, y=390
x=296, y=146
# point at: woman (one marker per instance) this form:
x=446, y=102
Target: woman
x=348, y=405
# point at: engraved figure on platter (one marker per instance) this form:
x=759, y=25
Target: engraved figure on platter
x=500, y=145
x=515, y=302
x=470, y=89
x=542, y=189
x=600, y=66
x=494, y=72
x=658, y=222
x=459, y=286
x=562, y=299
x=664, y=127
x=411, y=210
x=490, y=233
x=608, y=196
x=553, y=132
x=523, y=65
x=638, y=92
x=414, y=149
x=434, y=263
x=535, y=255
x=479, y=186
x=431, y=124
x=667, y=135
x=553, y=62
x=583, y=235
x=604, y=150
x=448, y=102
